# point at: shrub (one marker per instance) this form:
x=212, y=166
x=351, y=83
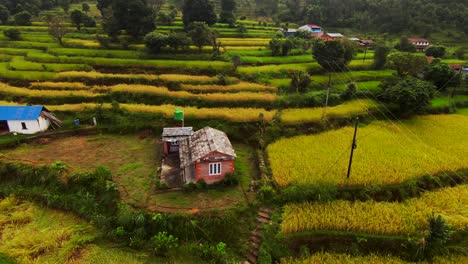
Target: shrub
x=300, y=80
x=162, y=243
x=201, y=184
x=231, y=179
x=210, y=253
x=265, y=193
x=189, y=187
x=12, y=33
x=435, y=51
x=154, y=41
x=23, y=18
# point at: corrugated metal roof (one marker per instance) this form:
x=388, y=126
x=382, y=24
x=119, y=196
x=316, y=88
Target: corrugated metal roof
x=177, y=131
x=20, y=112
x=202, y=143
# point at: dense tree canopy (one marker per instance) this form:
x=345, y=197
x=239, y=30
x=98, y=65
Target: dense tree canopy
x=410, y=94
x=333, y=55
x=394, y=16
x=198, y=11
x=441, y=75
x=407, y=63
x=136, y=17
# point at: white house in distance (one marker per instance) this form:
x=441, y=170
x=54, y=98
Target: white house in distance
x=312, y=28
x=26, y=119
x=420, y=43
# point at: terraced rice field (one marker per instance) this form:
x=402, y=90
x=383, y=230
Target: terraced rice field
x=324, y=257
x=424, y=145
x=382, y=218
x=312, y=115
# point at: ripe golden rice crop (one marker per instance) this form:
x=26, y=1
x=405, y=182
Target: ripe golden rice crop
x=76, y=107
x=5, y=88
x=58, y=86
x=241, y=86
x=308, y=115
x=182, y=78
x=387, y=152
x=232, y=114
x=324, y=257
x=406, y=218
x=220, y=97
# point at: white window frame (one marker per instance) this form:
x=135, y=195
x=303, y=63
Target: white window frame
x=215, y=169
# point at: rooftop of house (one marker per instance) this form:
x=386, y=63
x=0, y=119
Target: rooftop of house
x=355, y=39
x=202, y=143
x=21, y=112
x=177, y=131
x=418, y=40
x=335, y=35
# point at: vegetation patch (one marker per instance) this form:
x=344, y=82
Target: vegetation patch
x=313, y=115
x=407, y=218
x=416, y=147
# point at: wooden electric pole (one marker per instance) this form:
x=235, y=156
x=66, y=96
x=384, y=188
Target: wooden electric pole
x=353, y=147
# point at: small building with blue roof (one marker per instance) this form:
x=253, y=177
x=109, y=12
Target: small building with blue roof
x=26, y=119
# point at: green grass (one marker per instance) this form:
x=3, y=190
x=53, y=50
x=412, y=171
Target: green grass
x=151, y=64
x=361, y=86
x=276, y=60
x=439, y=102
x=463, y=111
x=19, y=64
x=6, y=73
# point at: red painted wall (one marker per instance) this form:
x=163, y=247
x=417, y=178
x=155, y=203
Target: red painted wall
x=202, y=168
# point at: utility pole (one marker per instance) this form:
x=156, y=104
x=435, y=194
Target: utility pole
x=353, y=147
x=365, y=54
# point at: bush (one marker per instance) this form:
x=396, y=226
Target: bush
x=435, y=51
x=12, y=33
x=162, y=243
x=154, y=41
x=231, y=179
x=201, y=184
x=178, y=40
x=23, y=18
x=211, y=254
x=189, y=187
x=266, y=193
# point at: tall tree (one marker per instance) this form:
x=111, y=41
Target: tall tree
x=227, y=12
x=133, y=16
x=380, y=56
x=201, y=34
x=4, y=14
x=333, y=56
x=77, y=18
x=57, y=28
x=198, y=11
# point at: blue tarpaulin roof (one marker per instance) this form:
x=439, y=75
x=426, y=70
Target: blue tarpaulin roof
x=20, y=112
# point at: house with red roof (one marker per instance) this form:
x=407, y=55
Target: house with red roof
x=312, y=28
x=420, y=43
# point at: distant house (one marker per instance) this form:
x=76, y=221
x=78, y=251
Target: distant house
x=464, y=71
x=290, y=32
x=366, y=42
x=312, y=28
x=420, y=43
x=26, y=119
x=329, y=36
x=205, y=154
